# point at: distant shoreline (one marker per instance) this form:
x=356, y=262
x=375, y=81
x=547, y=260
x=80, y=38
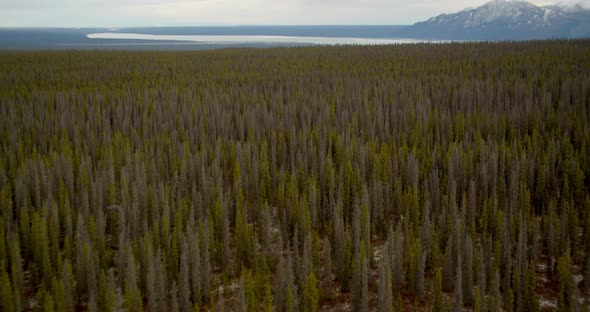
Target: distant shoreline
x=241, y=39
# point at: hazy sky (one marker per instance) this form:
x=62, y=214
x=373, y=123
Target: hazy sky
x=122, y=13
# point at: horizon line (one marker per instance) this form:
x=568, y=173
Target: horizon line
x=205, y=25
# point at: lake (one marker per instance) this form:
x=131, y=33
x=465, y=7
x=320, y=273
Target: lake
x=197, y=38
x=249, y=39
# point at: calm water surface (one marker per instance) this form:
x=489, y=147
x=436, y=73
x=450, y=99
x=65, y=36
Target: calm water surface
x=239, y=39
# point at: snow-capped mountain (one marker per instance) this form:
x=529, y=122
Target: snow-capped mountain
x=512, y=13
x=508, y=19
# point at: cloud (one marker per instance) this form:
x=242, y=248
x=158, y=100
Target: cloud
x=21, y=4
x=34, y=4
x=126, y=13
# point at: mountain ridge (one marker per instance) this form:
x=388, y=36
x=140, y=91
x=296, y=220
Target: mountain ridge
x=507, y=20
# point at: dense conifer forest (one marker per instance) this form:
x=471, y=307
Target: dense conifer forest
x=437, y=177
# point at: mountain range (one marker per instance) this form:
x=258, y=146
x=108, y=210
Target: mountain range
x=496, y=20
x=507, y=20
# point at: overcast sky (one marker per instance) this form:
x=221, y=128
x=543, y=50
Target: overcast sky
x=125, y=13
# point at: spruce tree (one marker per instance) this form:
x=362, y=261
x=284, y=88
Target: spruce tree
x=69, y=286
x=384, y=293
x=310, y=294
x=205, y=262
x=251, y=296
x=531, y=300
x=17, y=275
x=150, y=281
x=6, y=293
x=49, y=305
x=242, y=304
x=449, y=267
x=478, y=301
x=467, y=271
x=133, y=301
x=495, y=297
x=458, y=296
x=162, y=282
x=173, y=297
x=267, y=301
x=286, y=291
x=420, y=291
x=360, y=290
x=481, y=273
x=398, y=304
x=438, y=304
x=565, y=283
x=327, y=281
x=184, y=278
x=397, y=270
x=195, y=264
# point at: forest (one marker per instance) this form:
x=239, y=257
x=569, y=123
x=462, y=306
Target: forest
x=415, y=177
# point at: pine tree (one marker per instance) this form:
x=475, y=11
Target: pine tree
x=413, y=255
x=242, y=304
x=243, y=234
x=551, y=240
x=397, y=270
x=365, y=219
x=467, y=271
x=458, y=297
x=420, y=291
x=267, y=301
x=195, y=262
x=565, y=295
x=310, y=294
x=184, y=278
x=133, y=301
x=49, y=305
x=297, y=263
x=495, y=297
x=205, y=262
x=107, y=292
x=92, y=303
x=17, y=275
x=286, y=293
x=481, y=274
x=478, y=301
x=384, y=294
x=531, y=300
x=307, y=259
x=250, y=290
x=173, y=297
x=327, y=282
x=438, y=305
x=449, y=266
x=266, y=234
x=360, y=286
x=162, y=282
x=341, y=253
x=6, y=292
x=59, y=294
x=69, y=286
x=398, y=304
x=226, y=256
x=150, y=281
x=520, y=268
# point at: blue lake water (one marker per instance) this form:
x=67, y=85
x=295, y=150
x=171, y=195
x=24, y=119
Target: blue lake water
x=198, y=38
